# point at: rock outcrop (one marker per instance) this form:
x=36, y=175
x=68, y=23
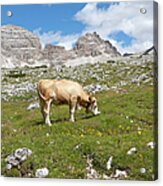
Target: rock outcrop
x=93, y=45
x=55, y=53
x=21, y=47
x=17, y=157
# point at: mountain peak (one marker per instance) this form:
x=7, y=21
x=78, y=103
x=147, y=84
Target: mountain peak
x=21, y=47
x=91, y=44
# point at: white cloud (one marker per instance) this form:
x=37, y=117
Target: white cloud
x=56, y=38
x=125, y=17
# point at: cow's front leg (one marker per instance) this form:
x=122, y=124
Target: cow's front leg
x=73, y=104
x=72, y=111
x=47, y=112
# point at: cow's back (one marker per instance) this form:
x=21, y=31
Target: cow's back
x=67, y=89
x=61, y=90
x=68, y=86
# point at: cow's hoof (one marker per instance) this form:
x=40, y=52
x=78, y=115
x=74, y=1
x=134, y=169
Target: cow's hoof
x=49, y=124
x=97, y=113
x=71, y=120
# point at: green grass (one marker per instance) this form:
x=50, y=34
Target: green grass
x=112, y=133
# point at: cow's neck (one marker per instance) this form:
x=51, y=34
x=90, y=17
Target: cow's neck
x=84, y=101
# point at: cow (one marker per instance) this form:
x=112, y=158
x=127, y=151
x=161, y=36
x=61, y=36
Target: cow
x=64, y=92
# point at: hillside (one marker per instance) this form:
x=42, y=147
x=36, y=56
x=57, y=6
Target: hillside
x=125, y=131
x=118, y=144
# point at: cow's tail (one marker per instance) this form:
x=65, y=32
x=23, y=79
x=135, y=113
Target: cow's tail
x=41, y=96
x=39, y=93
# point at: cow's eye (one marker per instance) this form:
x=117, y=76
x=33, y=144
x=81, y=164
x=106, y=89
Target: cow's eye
x=87, y=105
x=95, y=107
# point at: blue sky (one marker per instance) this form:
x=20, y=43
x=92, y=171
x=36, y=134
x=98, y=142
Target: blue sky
x=62, y=24
x=49, y=17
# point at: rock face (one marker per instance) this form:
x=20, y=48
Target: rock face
x=93, y=45
x=55, y=53
x=21, y=47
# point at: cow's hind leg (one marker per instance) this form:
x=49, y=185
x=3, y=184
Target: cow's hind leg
x=42, y=108
x=46, y=112
x=42, y=103
x=73, y=105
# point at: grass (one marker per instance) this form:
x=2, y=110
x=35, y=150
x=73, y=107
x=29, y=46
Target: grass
x=126, y=121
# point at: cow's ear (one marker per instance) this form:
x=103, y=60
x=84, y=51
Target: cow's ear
x=92, y=99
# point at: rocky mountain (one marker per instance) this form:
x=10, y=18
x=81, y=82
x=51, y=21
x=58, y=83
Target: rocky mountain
x=21, y=47
x=93, y=45
x=18, y=47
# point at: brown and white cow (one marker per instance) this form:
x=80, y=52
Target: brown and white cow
x=64, y=92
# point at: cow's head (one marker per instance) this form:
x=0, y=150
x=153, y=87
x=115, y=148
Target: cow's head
x=92, y=106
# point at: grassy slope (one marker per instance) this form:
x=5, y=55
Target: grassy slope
x=110, y=133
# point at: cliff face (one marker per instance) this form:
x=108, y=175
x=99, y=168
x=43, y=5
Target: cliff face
x=93, y=45
x=21, y=48
x=15, y=38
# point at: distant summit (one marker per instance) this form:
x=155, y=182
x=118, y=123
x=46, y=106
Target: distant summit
x=18, y=46
x=91, y=44
x=21, y=48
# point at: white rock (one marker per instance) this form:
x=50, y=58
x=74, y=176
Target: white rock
x=131, y=151
x=77, y=146
x=94, y=173
x=22, y=153
x=120, y=174
x=29, y=152
x=105, y=177
x=153, y=177
x=142, y=170
x=19, y=153
x=14, y=162
x=151, y=145
x=17, y=157
x=8, y=166
x=91, y=173
x=9, y=158
x=23, y=158
x=98, y=142
x=108, y=164
x=29, y=174
x=33, y=106
x=41, y=173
